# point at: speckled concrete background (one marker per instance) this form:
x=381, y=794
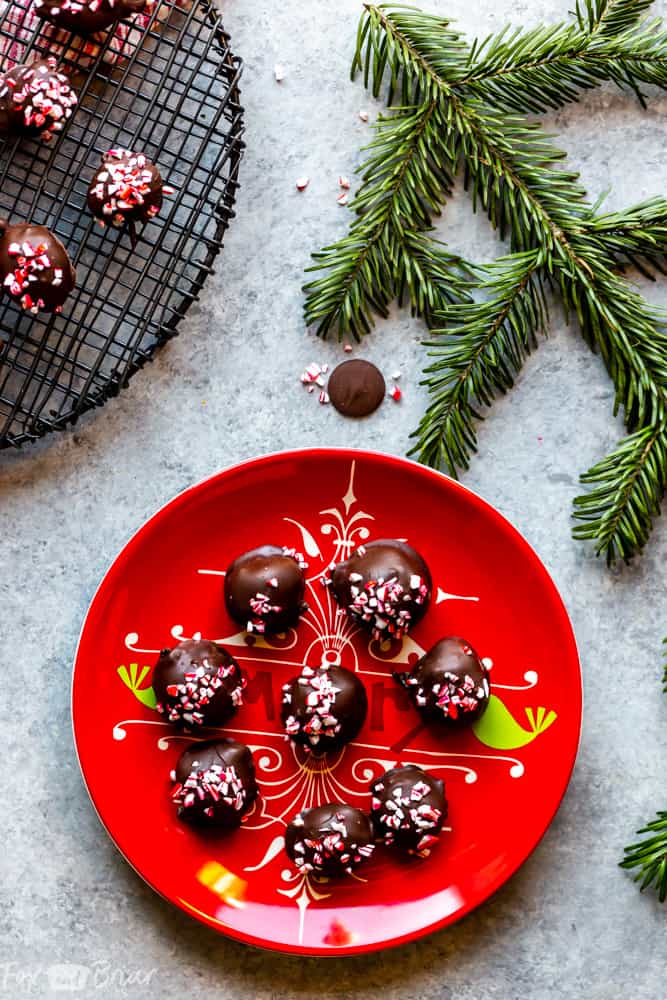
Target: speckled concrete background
x=570, y=924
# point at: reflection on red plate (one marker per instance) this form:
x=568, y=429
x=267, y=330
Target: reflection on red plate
x=504, y=779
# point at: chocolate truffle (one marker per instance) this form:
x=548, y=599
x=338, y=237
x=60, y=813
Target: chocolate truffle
x=214, y=783
x=323, y=709
x=449, y=684
x=264, y=588
x=385, y=586
x=88, y=16
x=408, y=809
x=35, y=268
x=356, y=388
x=35, y=99
x=197, y=683
x=127, y=188
x=330, y=839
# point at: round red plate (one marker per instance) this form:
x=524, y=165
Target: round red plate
x=504, y=779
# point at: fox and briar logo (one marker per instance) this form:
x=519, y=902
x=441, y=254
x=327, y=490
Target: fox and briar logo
x=70, y=977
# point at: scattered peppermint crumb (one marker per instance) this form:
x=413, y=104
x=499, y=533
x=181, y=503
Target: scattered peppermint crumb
x=302, y=183
x=363, y=115
x=324, y=397
x=348, y=348
x=344, y=182
x=279, y=72
x=342, y=198
x=395, y=376
x=396, y=394
x=311, y=388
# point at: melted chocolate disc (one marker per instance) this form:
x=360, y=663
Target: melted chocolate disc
x=356, y=388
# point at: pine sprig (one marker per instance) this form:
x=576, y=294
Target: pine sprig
x=478, y=355
x=514, y=171
x=650, y=856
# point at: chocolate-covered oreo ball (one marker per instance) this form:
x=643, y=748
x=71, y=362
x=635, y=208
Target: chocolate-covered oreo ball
x=127, y=188
x=408, y=809
x=88, y=16
x=35, y=99
x=331, y=839
x=197, y=683
x=323, y=708
x=385, y=586
x=35, y=268
x=449, y=684
x=214, y=784
x=264, y=588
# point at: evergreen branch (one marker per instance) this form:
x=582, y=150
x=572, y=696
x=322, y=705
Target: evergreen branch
x=430, y=276
x=478, y=356
x=637, y=236
x=405, y=179
x=629, y=487
x=546, y=67
x=609, y=17
x=650, y=856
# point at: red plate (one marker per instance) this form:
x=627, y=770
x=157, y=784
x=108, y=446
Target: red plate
x=504, y=780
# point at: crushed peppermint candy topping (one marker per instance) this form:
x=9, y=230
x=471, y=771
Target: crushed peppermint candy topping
x=363, y=115
x=312, y=373
x=302, y=183
x=215, y=784
x=199, y=687
x=342, y=199
x=279, y=72
x=319, y=708
x=123, y=185
x=383, y=602
x=324, y=397
x=42, y=97
x=347, y=348
x=344, y=182
x=297, y=556
x=455, y=696
x=32, y=260
x=405, y=810
x=396, y=394
x=314, y=852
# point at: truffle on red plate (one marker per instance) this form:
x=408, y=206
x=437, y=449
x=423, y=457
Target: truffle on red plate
x=385, y=586
x=35, y=268
x=35, y=99
x=264, y=588
x=332, y=839
x=323, y=708
x=449, y=684
x=214, y=783
x=197, y=683
x=408, y=808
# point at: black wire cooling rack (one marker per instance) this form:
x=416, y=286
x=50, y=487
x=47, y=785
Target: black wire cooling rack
x=169, y=89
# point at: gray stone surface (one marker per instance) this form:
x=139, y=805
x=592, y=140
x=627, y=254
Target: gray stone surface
x=570, y=924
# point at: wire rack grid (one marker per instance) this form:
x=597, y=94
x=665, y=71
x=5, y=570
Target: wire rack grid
x=171, y=90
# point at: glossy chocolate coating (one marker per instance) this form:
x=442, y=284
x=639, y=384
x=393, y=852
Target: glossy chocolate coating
x=264, y=588
x=331, y=839
x=385, y=586
x=214, y=783
x=197, y=683
x=323, y=709
x=126, y=188
x=449, y=684
x=35, y=99
x=356, y=388
x=86, y=18
x=408, y=809
x=35, y=268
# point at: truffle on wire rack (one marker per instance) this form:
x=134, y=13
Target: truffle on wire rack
x=323, y=709
x=35, y=99
x=408, y=809
x=264, y=588
x=127, y=188
x=332, y=839
x=385, y=586
x=35, y=268
x=449, y=684
x=214, y=783
x=197, y=683
x=85, y=17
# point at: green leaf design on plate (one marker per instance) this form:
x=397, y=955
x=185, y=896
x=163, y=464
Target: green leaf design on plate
x=497, y=727
x=133, y=678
